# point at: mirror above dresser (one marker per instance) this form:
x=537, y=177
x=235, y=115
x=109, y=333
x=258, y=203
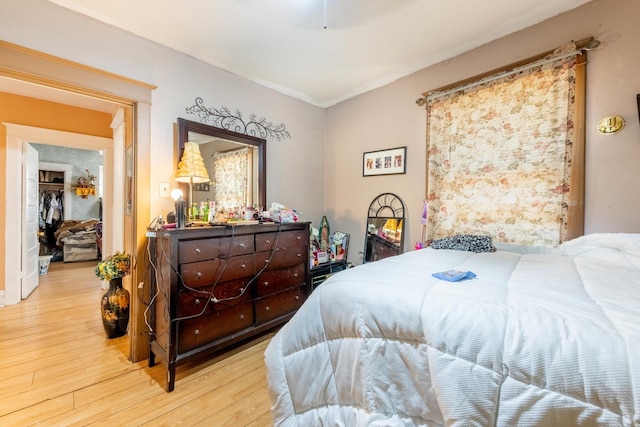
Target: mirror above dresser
x=236, y=164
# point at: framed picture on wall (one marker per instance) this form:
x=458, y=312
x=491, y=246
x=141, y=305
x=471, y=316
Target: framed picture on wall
x=385, y=162
x=638, y=101
x=204, y=186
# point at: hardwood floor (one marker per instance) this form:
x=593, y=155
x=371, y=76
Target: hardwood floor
x=58, y=369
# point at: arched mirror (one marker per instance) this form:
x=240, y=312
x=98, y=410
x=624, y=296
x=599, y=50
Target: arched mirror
x=385, y=228
x=236, y=164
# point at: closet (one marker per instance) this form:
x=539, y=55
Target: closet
x=51, y=210
x=61, y=236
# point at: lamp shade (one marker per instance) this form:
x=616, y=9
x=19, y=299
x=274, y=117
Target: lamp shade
x=191, y=168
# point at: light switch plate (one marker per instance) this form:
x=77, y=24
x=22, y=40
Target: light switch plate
x=164, y=189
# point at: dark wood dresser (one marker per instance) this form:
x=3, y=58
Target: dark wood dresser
x=381, y=248
x=217, y=286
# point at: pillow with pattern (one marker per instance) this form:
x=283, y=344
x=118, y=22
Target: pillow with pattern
x=465, y=242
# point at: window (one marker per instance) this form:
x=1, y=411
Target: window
x=505, y=157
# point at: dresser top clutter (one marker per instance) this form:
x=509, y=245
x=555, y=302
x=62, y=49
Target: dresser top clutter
x=216, y=286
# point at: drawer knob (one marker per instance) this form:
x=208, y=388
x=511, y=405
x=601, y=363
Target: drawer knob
x=266, y=283
x=295, y=274
x=196, y=332
x=299, y=255
x=197, y=251
x=268, y=241
x=197, y=301
x=198, y=274
x=297, y=297
x=298, y=237
x=242, y=317
x=242, y=245
x=241, y=291
x=267, y=308
x=243, y=266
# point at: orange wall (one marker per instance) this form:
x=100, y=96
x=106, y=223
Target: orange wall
x=43, y=114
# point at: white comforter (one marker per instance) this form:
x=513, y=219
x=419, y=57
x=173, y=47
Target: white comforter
x=544, y=339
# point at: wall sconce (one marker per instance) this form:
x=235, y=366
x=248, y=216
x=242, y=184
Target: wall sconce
x=191, y=168
x=610, y=125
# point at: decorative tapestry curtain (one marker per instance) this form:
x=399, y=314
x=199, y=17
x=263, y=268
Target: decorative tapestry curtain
x=230, y=175
x=500, y=157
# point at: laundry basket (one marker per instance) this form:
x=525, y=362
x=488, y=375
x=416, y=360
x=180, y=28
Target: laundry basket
x=44, y=263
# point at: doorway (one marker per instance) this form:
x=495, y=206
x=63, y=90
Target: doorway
x=55, y=79
x=61, y=210
x=19, y=136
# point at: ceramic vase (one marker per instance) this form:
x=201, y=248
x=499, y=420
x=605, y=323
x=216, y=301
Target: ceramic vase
x=114, y=308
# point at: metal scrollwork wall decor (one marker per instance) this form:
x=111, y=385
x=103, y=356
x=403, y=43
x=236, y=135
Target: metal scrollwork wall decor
x=224, y=118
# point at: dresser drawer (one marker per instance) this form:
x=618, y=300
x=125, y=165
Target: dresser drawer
x=282, y=257
x=283, y=239
x=205, y=273
x=202, y=330
x=204, y=249
x=228, y=294
x=272, y=281
x=276, y=305
x=194, y=303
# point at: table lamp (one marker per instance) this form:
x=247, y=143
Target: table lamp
x=191, y=168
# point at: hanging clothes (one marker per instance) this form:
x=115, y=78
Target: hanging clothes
x=42, y=210
x=53, y=208
x=60, y=206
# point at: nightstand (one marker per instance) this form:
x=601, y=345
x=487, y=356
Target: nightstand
x=322, y=272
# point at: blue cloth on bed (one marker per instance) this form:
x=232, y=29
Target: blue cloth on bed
x=454, y=275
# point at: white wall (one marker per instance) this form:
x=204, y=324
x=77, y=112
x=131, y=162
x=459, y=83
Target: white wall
x=388, y=117
x=294, y=166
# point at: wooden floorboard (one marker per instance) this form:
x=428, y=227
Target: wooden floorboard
x=57, y=368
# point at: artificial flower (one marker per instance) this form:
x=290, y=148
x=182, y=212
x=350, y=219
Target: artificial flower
x=114, y=266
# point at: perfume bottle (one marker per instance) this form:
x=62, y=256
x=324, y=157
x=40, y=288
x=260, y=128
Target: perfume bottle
x=204, y=210
x=212, y=210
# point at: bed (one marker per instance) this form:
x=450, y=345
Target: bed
x=540, y=337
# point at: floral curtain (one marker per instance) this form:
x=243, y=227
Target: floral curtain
x=230, y=176
x=500, y=156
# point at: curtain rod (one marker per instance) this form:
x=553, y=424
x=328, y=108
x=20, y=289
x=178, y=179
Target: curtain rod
x=435, y=95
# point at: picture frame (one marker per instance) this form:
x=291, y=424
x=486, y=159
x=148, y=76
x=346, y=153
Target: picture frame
x=201, y=186
x=638, y=101
x=391, y=161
